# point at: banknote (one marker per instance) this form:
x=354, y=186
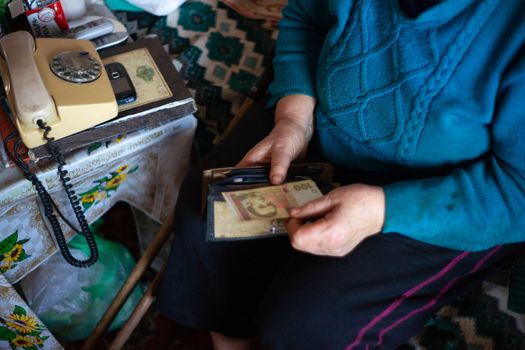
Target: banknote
x=271, y=202
x=227, y=225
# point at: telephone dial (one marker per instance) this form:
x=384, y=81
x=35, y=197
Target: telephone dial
x=55, y=88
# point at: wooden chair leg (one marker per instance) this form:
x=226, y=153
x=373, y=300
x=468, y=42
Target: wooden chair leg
x=128, y=286
x=139, y=312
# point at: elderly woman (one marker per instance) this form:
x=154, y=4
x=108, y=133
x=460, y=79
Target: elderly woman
x=419, y=105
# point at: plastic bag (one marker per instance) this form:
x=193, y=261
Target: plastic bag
x=70, y=301
x=155, y=7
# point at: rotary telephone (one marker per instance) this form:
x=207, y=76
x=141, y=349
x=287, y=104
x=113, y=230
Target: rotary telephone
x=61, y=82
x=55, y=88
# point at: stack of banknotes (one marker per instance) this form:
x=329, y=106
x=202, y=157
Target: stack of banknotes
x=271, y=202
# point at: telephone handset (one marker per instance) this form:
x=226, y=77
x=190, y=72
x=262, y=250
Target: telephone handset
x=23, y=79
x=55, y=88
x=61, y=82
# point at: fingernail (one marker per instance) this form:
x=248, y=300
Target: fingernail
x=277, y=179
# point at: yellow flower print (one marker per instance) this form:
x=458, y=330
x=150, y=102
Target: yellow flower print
x=121, y=137
x=6, y=267
x=122, y=168
x=116, y=181
x=14, y=254
x=100, y=196
x=22, y=341
x=22, y=323
x=39, y=341
x=89, y=198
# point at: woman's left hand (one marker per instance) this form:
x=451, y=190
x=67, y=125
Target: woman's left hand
x=341, y=220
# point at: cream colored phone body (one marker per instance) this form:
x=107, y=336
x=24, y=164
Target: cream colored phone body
x=38, y=86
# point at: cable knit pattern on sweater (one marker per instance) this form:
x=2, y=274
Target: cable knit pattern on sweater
x=439, y=77
x=433, y=102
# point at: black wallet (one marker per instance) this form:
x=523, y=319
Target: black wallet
x=222, y=223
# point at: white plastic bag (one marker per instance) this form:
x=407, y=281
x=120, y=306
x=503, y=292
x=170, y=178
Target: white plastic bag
x=69, y=300
x=157, y=7
x=56, y=291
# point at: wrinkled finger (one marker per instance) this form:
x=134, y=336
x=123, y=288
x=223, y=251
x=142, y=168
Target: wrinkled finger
x=317, y=207
x=293, y=225
x=313, y=229
x=309, y=236
x=259, y=154
x=281, y=157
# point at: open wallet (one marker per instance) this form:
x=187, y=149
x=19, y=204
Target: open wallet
x=223, y=224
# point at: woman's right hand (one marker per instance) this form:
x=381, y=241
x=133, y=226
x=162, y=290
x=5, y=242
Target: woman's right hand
x=288, y=139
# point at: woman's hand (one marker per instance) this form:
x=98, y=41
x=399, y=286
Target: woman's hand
x=341, y=220
x=289, y=138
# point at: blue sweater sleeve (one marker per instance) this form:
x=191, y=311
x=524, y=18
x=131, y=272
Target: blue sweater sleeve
x=480, y=205
x=302, y=31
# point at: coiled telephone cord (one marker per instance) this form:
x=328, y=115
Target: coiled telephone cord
x=49, y=204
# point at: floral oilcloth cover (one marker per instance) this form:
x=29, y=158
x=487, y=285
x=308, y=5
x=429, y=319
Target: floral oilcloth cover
x=20, y=328
x=144, y=169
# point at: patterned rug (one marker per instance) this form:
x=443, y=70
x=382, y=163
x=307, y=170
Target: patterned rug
x=479, y=320
x=222, y=54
